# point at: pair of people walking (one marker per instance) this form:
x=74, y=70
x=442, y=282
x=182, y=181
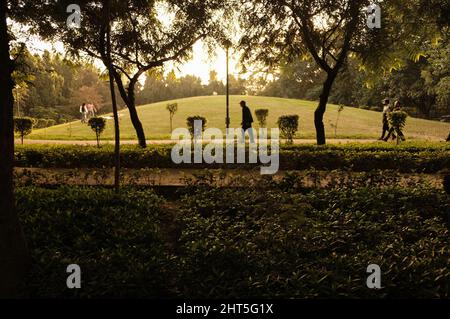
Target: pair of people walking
x=87, y=111
x=389, y=131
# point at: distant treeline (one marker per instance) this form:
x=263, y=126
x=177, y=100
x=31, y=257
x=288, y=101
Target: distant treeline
x=160, y=87
x=50, y=86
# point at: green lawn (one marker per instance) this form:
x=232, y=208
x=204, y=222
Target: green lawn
x=353, y=123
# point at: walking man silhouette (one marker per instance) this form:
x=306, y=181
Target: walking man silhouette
x=247, y=120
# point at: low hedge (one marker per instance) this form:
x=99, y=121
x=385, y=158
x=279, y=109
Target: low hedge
x=355, y=157
x=115, y=239
x=238, y=242
x=272, y=244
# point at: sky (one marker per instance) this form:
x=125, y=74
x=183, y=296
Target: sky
x=200, y=65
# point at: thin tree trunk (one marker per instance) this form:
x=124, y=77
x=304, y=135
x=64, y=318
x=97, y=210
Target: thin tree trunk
x=320, y=111
x=14, y=258
x=137, y=123
x=114, y=104
x=127, y=96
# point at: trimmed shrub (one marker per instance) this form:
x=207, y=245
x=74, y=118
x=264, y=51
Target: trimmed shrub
x=23, y=126
x=98, y=125
x=196, y=133
x=288, y=125
x=261, y=115
x=397, y=120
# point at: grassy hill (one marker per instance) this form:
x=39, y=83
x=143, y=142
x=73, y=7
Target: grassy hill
x=353, y=122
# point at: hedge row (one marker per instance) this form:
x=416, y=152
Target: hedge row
x=222, y=243
x=357, y=158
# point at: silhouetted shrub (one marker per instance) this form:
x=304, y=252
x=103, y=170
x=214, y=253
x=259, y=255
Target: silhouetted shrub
x=261, y=115
x=23, y=126
x=98, y=125
x=196, y=132
x=288, y=125
x=397, y=120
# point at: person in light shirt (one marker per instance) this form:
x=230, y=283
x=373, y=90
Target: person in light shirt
x=386, y=110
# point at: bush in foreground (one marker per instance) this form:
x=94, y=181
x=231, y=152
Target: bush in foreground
x=239, y=242
x=114, y=239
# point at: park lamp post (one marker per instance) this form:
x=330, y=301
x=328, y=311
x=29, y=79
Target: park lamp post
x=227, y=44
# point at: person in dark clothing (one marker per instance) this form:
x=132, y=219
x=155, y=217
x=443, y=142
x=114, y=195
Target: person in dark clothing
x=247, y=120
x=446, y=183
x=397, y=107
x=386, y=109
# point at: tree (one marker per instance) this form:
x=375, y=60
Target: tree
x=214, y=85
x=172, y=108
x=98, y=125
x=140, y=39
x=14, y=257
x=325, y=31
x=23, y=126
x=113, y=99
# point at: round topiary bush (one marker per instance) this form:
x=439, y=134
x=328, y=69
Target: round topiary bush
x=397, y=120
x=98, y=125
x=23, y=126
x=261, y=115
x=196, y=132
x=288, y=125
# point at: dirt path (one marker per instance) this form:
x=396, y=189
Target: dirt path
x=165, y=142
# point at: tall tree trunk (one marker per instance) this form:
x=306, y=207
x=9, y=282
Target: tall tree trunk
x=320, y=111
x=114, y=103
x=136, y=123
x=14, y=259
x=129, y=99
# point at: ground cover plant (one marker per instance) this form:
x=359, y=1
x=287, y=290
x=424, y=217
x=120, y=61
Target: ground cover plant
x=281, y=239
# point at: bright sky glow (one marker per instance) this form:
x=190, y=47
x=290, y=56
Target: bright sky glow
x=200, y=65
